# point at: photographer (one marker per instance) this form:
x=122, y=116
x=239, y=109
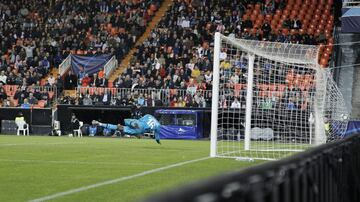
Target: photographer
x=75, y=123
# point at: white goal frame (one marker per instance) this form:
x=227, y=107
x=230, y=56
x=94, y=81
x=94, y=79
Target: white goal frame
x=316, y=119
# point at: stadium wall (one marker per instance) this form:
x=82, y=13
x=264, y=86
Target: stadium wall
x=115, y=115
x=327, y=173
x=39, y=120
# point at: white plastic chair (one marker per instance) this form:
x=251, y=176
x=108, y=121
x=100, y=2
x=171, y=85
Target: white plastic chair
x=22, y=127
x=78, y=131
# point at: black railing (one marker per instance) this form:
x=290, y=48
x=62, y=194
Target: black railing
x=328, y=173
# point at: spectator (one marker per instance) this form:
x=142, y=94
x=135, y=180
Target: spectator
x=200, y=100
x=248, y=23
x=75, y=123
x=70, y=81
x=149, y=101
x=3, y=96
x=37, y=94
x=180, y=102
x=59, y=83
x=3, y=77
x=118, y=82
x=266, y=28
x=141, y=100
x=87, y=100
x=85, y=81
x=45, y=95
x=45, y=64
x=6, y=103
x=235, y=104
x=32, y=100
x=96, y=98
x=103, y=82
x=26, y=104
x=51, y=80
x=195, y=73
x=291, y=104
x=29, y=50
x=106, y=97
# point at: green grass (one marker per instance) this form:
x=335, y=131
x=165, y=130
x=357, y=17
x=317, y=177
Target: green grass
x=34, y=167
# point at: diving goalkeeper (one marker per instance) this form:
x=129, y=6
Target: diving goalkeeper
x=136, y=127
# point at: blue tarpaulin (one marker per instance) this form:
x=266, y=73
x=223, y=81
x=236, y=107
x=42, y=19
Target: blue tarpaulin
x=180, y=124
x=350, y=20
x=353, y=128
x=91, y=64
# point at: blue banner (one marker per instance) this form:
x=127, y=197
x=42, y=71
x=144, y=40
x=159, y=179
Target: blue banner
x=353, y=128
x=178, y=132
x=350, y=20
x=91, y=64
x=180, y=124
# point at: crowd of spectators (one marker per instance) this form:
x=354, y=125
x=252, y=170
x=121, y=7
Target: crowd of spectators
x=37, y=35
x=177, y=55
x=27, y=96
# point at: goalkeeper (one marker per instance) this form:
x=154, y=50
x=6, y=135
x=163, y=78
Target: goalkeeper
x=137, y=127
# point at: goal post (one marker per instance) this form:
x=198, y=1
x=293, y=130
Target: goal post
x=215, y=97
x=271, y=99
x=249, y=101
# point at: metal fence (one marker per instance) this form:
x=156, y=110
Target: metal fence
x=110, y=66
x=165, y=95
x=328, y=173
x=65, y=65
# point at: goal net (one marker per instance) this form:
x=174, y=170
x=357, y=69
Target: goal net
x=271, y=99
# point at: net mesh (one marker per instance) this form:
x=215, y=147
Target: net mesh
x=293, y=100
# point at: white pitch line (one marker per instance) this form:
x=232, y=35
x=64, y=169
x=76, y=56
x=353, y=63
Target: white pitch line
x=117, y=180
x=76, y=162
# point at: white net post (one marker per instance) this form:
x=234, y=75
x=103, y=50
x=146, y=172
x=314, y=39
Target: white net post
x=320, y=136
x=249, y=101
x=215, y=96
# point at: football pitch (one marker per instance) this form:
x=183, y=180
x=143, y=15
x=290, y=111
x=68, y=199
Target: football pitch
x=36, y=168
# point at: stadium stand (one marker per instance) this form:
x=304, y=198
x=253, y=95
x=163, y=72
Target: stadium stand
x=180, y=58
x=38, y=35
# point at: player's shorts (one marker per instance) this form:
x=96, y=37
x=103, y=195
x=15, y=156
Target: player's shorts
x=131, y=131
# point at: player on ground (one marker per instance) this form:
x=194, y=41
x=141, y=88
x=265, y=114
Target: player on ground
x=137, y=127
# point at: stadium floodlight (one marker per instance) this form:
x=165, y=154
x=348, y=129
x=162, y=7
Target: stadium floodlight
x=271, y=99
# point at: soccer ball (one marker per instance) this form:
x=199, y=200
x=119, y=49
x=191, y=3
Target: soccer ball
x=70, y=135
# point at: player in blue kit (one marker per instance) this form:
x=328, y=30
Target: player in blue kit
x=136, y=127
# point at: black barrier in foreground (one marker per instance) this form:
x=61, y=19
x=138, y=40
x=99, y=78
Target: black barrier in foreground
x=328, y=173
